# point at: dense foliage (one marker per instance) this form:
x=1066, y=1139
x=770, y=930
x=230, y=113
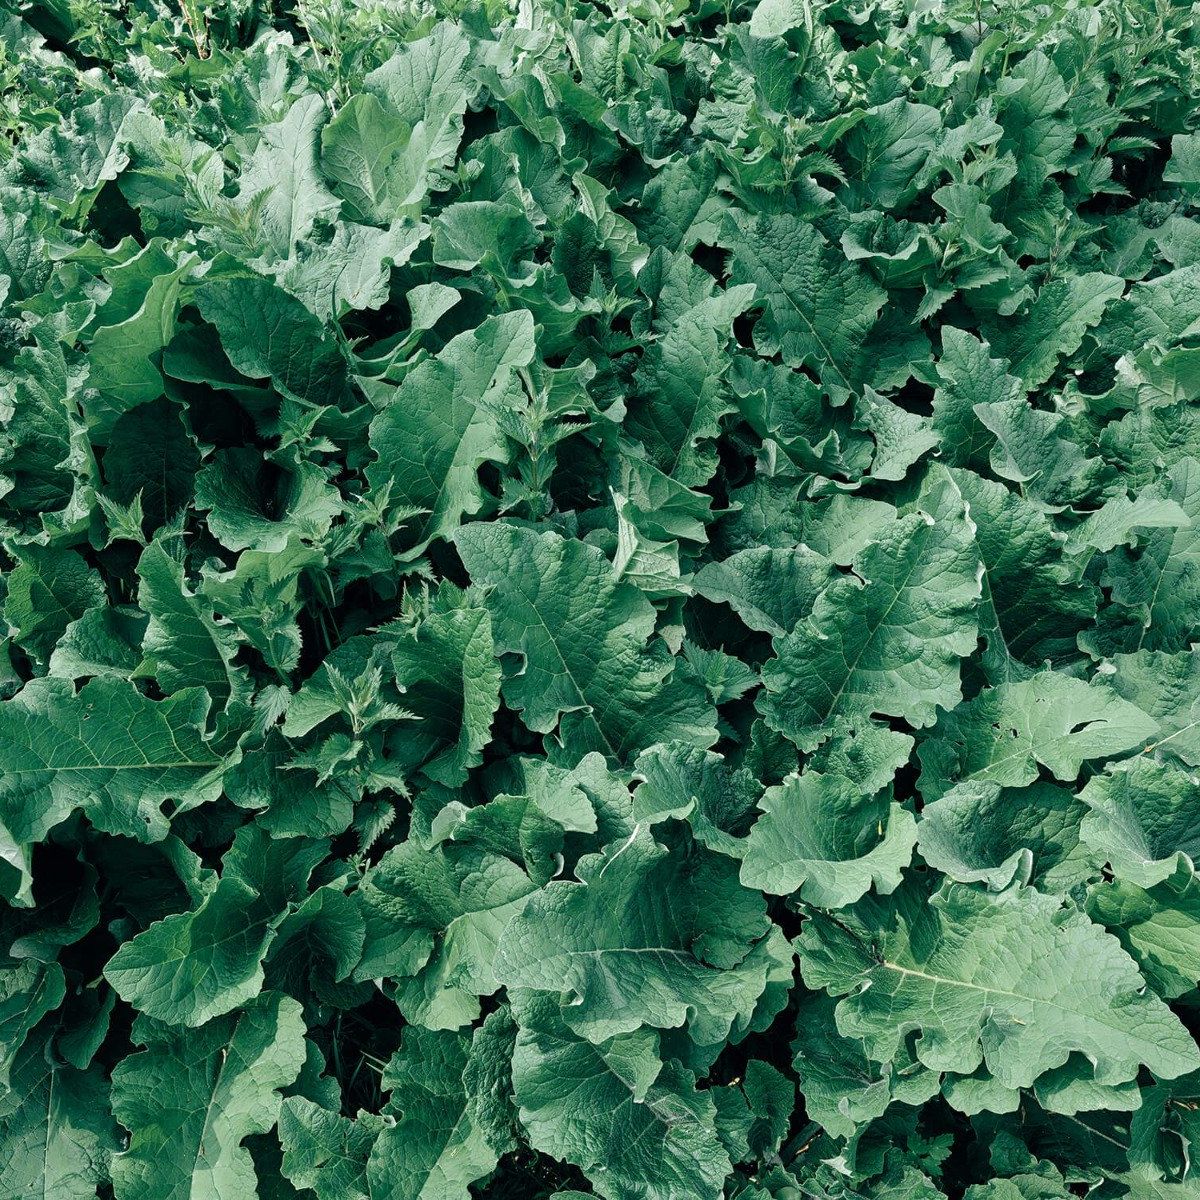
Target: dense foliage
x=599, y=599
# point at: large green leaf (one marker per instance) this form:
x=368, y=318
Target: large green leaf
x=107, y=750
x=193, y=966
x=822, y=841
x=1142, y=819
x=886, y=640
x=438, y=1145
x=943, y=965
x=57, y=1137
x=183, y=644
x=584, y=639
x=433, y=920
x=641, y=939
x=192, y=1096
x=639, y=1127
x=268, y=334
x=1002, y=734
x=442, y=424
x=819, y=306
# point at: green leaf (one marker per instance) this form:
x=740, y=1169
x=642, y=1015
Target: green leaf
x=938, y=964
x=29, y=990
x=1141, y=820
x=436, y=1148
x=1163, y=686
x=842, y=1088
x=1005, y=732
x=641, y=939
x=979, y=832
x=755, y=1112
x=183, y=644
x=773, y=18
x=820, y=840
x=770, y=589
x=268, y=334
x=474, y=233
x=246, y=512
x=288, y=802
x=1184, y=164
x=104, y=641
x=426, y=83
x=193, y=966
x=1060, y=315
x=151, y=455
x=819, y=307
x=1159, y=926
x=72, y=161
x=433, y=921
x=325, y=1151
x=1031, y=610
x=901, y=437
x=24, y=268
x=682, y=781
x=888, y=147
x=916, y=584
x=967, y=376
x=1118, y=521
x=261, y=596
x=441, y=425
x=583, y=639
x=37, y=393
x=281, y=184
x=364, y=154
x=680, y=396
x=352, y=271
x=1161, y=311
x=1163, y=1130
x=636, y=1125
x=134, y=326
x=57, y=1136
x=1158, y=585
x=530, y=822
x=48, y=590
x=680, y=205
x=192, y=1096
x=1038, y=450
x=107, y=750
x=450, y=677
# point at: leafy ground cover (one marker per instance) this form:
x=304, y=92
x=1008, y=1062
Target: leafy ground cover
x=599, y=600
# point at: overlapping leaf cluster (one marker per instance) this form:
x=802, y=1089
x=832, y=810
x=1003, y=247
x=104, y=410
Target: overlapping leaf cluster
x=599, y=600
